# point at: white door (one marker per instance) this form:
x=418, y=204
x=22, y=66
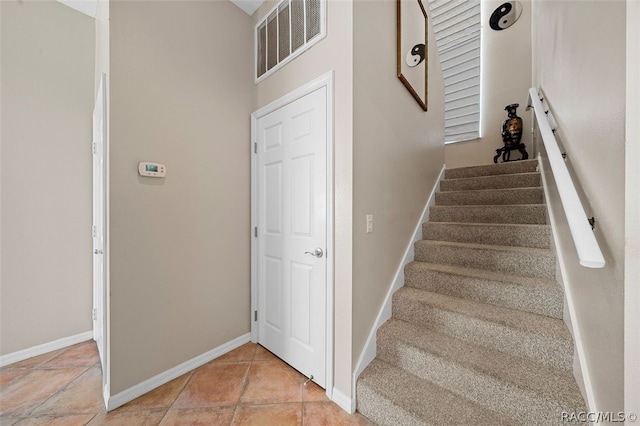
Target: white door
x=99, y=184
x=292, y=233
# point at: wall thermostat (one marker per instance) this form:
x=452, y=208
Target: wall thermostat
x=146, y=168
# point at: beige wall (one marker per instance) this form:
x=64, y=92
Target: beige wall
x=179, y=247
x=332, y=53
x=632, y=213
x=47, y=98
x=398, y=153
x=579, y=52
x=506, y=78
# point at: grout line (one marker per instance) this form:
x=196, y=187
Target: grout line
x=59, y=391
x=186, y=382
x=245, y=383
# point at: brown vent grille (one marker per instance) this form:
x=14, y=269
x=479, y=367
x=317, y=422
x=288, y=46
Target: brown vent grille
x=287, y=30
x=284, y=40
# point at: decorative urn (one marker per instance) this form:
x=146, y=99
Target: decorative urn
x=512, y=126
x=511, y=136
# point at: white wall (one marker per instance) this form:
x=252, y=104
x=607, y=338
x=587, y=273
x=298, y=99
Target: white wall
x=579, y=55
x=398, y=153
x=632, y=213
x=332, y=53
x=180, y=246
x=47, y=56
x=506, y=78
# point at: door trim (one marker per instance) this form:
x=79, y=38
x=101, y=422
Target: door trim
x=106, y=301
x=325, y=80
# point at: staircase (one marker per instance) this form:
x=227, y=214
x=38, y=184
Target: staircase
x=477, y=336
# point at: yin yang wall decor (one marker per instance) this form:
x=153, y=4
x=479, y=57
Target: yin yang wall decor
x=412, y=50
x=415, y=55
x=505, y=15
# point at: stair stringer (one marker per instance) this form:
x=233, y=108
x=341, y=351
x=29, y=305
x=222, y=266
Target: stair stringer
x=369, y=350
x=580, y=367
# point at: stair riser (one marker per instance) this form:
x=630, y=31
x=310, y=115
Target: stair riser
x=491, y=182
x=527, y=214
x=540, y=264
x=492, y=170
x=483, y=389
x=539, y=348
x=381, y=411
x=520, y=236
x=538, y=300
x=490, y=197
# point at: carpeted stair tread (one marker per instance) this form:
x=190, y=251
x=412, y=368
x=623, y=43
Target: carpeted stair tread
x=390, y=396
x=477, y=334
x=512, y=167
x=519, y=180
x=534, y=214
x=511, y=234
x=542, y=296
x=514, y=386
x=525, y=261
x=525, y=334
x=504, y=196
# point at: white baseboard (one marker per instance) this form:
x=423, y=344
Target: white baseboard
x=148, y=385
x=369, y=351
x=343, y=401
x=44, y=348
x=580, y=368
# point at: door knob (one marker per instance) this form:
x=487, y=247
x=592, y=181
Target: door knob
x=316, y=253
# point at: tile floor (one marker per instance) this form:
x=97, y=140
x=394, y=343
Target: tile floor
x=247, y=386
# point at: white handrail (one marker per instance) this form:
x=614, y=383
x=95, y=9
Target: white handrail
x=589, y=252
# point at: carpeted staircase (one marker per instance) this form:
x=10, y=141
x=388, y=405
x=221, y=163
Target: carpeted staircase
x=477, y=336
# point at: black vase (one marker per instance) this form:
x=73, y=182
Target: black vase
x=512, y=126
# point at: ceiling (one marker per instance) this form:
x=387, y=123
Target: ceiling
x=249, y=6
x=88, y=7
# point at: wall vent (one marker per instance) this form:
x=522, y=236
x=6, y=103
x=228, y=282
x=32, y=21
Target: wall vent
x=289, y=29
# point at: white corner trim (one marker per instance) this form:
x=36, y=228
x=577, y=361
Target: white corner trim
x=583, y=370
x=106, y=395
x=44, y=348
x=343, y=401
x=148, y=385
x=369, y=351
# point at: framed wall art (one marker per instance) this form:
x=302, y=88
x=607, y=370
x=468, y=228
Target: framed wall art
x=412, y=48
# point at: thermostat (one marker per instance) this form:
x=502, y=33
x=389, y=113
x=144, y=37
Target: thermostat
x=146, y=168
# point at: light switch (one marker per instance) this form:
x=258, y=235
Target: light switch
x=369, y=223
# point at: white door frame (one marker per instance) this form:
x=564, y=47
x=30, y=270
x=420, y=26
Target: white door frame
x=326, y=80
x=101, y=300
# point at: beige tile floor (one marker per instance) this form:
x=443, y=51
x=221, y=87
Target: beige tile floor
x=247, y=386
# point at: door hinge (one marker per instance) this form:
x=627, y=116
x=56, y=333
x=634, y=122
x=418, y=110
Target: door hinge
x=94, y=314
x=255, y=231
x=255, y=315
x=93, y=231
x=95, y=148
x=255, y=147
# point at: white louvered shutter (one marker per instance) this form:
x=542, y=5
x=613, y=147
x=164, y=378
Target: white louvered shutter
x=456, y=24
